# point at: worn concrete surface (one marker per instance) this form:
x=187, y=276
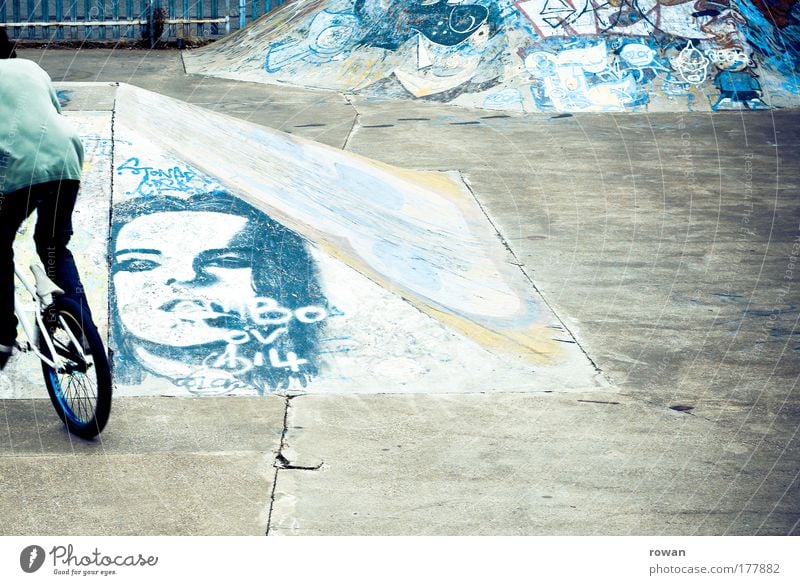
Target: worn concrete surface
x=164, y=466
x=596, y=464
x=323, y=116
x=666, y=243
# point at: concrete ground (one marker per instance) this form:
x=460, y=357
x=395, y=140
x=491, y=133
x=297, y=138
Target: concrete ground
x=666, y=243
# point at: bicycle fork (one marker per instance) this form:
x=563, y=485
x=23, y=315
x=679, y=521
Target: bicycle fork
x=42, y=295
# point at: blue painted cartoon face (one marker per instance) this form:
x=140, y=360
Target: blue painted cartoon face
x=638, y=55
x=179, y=281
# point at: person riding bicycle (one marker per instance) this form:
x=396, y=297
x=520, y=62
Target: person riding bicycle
x=41, y=158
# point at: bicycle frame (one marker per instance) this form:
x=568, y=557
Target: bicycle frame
x=41, y=296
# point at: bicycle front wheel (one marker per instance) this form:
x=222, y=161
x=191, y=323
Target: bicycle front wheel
x=80, y=388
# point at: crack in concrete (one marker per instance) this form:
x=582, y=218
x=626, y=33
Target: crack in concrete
x=183, y=63
x=282, y=462
x=356, y=121
x=277, y=467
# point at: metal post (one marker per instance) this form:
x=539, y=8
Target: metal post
x=242, y=13
x=46, y=18
x=59, y=18
x=144, y=7
x=215, y=14
x=73, y=16
x=15, y=16
x=101, y=16
x=171, y=16
x=115, y=16
x=184, y=28
x=88, y=17
x=31, y=30
x=130, y=16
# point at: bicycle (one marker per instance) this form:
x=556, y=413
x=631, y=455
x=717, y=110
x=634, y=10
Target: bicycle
x=74, y=362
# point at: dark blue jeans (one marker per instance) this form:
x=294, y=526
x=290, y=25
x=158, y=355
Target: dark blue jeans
x=54, y=203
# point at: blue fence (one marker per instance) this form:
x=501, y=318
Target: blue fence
x=49, y=20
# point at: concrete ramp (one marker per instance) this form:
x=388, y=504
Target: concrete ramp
x=526, y=55
x=254, y=262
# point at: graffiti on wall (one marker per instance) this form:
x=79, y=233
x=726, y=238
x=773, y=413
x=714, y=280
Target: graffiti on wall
x=443, y=45
x=520, y=54
x=390, y=24
x=687, y=48
x=573, y=18
x=213, y=295
x=783, y=13
x=580, y=79
x=773, y=32
x=738, y=86
x=691, y=65
x=579, y=55
x=687, y=19
x=330, y=35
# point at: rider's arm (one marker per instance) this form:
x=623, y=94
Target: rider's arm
x=53, y=94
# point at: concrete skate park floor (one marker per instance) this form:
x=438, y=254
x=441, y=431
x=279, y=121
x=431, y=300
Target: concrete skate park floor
x=664, y=242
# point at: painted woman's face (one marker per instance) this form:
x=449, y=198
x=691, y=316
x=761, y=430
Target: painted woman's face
x=179, y=278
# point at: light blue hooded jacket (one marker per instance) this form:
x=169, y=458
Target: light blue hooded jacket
x=37, y=143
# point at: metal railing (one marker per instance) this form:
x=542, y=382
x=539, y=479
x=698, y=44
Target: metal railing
x=84, y=20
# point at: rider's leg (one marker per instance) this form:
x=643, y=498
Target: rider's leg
x=55, y=203
x=14, y=208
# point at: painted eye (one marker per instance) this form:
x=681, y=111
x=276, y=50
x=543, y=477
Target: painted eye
x=228, y=261
x=136, y=265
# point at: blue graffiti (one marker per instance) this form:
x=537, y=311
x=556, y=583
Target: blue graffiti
x=388, y=25
x=642, y=61
x=329, y=35
x=581, y=78
x=176, y=180
x=779, y=49
x=64, y=96
x=237, y=307
x=737, y=89
x=503, y=99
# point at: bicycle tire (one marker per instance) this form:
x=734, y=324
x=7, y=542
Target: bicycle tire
x=81, y=392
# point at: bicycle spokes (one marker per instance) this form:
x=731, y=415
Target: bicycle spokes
x=79, y=381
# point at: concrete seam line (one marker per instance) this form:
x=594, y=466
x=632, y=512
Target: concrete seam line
x=110, y=219
x=356, y=121
x=518, y=263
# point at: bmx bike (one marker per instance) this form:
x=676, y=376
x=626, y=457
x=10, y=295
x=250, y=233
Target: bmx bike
x=74, y=362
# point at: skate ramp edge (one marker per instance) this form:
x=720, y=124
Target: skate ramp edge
x=261, y=262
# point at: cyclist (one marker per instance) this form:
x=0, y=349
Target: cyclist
x=41, y=157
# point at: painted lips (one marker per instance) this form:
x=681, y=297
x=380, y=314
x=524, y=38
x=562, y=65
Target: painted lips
x=197, y=310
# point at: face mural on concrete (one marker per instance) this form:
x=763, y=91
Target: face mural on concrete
x=162, y=273
x=212, y=295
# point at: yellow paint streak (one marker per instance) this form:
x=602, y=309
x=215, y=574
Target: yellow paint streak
x=534, y=344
